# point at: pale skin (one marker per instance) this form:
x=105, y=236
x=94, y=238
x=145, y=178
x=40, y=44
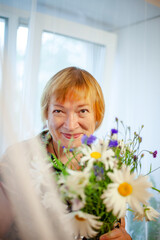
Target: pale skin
x=73, y=119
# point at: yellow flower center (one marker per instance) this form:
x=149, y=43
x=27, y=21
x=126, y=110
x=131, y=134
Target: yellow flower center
x=125, y=189
x=95, y=155
x=80, y=218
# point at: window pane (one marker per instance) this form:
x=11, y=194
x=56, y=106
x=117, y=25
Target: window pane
x=2, y=33
x=22, y=36
x=2, y=42
x=21, y=46
x=58, y=52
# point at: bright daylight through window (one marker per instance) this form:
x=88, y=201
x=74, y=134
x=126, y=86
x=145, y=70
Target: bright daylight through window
x=2, y=40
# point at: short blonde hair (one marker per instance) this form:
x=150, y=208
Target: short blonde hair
x=77, y=84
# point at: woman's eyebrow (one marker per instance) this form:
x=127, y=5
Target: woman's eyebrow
x=84, y=105
x=58, y=105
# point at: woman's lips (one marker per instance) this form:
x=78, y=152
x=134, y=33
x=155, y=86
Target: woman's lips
x=69, y=136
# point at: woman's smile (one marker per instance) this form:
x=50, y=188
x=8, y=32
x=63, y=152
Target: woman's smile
x=70, y=136
x=70, y=120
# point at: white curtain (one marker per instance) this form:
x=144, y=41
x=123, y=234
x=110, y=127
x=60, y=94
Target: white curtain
x=132, y=92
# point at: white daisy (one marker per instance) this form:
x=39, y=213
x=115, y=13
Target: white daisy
x=39, y=172
x=77, y=181
x=126, y=189
x=90, y=153
x=85, y=224
x=149, y=214
x=98, y=152
x=77, y=204
x=109, y=159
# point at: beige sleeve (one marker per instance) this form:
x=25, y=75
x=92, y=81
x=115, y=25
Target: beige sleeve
x=6, y=217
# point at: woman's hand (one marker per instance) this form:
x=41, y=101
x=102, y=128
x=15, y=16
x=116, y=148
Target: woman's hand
x=117, y=233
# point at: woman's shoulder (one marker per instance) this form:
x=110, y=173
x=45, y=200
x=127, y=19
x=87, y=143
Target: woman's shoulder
x=24, y=151
x=27, y=145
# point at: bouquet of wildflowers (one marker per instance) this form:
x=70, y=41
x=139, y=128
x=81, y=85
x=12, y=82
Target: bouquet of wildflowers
x=107, y=185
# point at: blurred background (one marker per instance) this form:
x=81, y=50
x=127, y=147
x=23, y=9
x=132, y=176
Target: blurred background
x=117, y=41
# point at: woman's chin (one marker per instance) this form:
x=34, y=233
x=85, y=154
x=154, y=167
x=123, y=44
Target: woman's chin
x=71, y=144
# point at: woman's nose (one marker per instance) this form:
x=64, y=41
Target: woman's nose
x=71, y=121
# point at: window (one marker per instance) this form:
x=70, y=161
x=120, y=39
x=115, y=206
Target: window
x=21, y=46
x=3, y=22
x=2, y=32
x=59, y=51
x=36, y=49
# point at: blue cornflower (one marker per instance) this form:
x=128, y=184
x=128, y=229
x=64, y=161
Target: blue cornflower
x=88, y=140
x=84, y=139
x=71, y=149
x=65, y=149
x=91, y=139
x=113, y=143
x=114, y=131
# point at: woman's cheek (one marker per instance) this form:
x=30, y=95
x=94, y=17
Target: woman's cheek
x=56, y=123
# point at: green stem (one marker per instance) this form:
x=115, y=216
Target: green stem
x=156, y=189
x=153, y=171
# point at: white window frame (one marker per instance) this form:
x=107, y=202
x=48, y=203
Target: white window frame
x=41, y=22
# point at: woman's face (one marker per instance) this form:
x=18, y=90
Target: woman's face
x=70, y=120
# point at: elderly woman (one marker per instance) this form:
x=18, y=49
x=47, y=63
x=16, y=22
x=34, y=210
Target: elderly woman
x=73, y=105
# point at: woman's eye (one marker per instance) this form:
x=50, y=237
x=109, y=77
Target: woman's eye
x=57, y=111
x=84, y=110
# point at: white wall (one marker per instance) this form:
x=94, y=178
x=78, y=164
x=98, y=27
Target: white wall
x=135, y=88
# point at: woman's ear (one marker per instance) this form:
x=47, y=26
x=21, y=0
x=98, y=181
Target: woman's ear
x=46, y=115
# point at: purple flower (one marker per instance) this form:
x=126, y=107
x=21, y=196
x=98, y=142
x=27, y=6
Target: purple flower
x=113, y=143
x=71, y=149
x=114, y=131
x=154, y=154
x=91, y=139
x=88, y=140
x=84, y=139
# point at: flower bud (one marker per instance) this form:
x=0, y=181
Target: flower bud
x=154, y=154
x=135, y=158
